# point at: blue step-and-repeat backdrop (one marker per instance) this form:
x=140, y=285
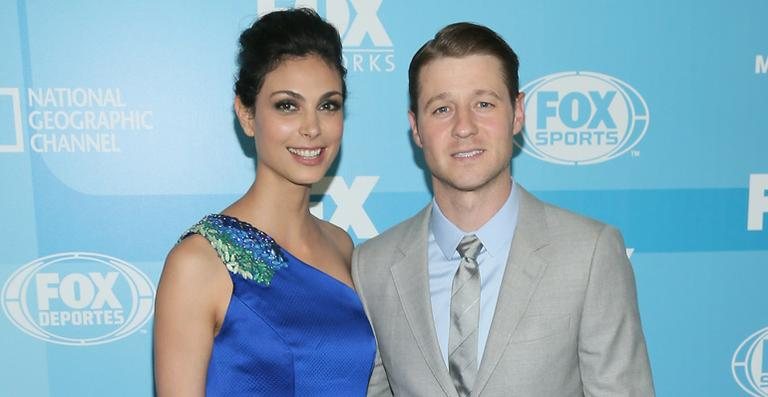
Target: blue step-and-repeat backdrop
x=117, y=133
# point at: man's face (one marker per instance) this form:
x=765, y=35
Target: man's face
x=466, y=122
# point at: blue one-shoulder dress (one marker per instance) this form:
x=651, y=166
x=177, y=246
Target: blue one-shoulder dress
x=290, y=329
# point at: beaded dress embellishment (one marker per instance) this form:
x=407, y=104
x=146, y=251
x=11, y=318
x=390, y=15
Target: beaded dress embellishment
x=245, y=250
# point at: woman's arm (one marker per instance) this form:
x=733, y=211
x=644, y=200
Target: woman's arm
x=192, y=298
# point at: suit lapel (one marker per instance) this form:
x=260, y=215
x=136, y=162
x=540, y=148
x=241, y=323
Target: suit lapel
x=524, y=270
x=411, y=279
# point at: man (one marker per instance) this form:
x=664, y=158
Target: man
x=488, y=291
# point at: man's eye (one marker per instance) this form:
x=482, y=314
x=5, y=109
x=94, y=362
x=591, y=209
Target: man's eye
x=485, y=105
x=441, y=110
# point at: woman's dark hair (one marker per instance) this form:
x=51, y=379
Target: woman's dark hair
x=280, y=35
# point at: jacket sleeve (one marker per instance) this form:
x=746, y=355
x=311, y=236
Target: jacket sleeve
x=612, y=352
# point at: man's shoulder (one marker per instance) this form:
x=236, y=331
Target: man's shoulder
x=572, y=237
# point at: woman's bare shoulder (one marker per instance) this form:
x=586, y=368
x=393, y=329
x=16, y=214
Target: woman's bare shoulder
x=193, y=268
x=193, y=257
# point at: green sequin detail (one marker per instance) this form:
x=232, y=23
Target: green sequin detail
x=244, y=249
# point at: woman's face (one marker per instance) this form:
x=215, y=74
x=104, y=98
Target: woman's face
x=297, y=120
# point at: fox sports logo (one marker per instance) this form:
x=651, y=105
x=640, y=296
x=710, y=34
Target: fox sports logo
x=579, y=118
x=750, y=364
x=78, y=298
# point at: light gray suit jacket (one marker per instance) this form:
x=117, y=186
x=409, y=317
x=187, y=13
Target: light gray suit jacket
x=566, y=321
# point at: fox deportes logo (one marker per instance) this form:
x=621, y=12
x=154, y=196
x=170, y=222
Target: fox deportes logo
x=577, y=118
x=78, y=298
x=750, y=364
x=367, y=45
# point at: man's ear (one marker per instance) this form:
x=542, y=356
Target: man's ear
x=414, y=129
x=519, y=121
x=245, y=116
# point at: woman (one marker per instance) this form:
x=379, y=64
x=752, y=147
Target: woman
x=258, y=300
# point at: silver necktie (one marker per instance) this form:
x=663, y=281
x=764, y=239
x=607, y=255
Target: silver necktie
x=465, y=315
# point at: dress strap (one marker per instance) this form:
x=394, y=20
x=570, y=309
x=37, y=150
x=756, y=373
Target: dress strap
x=244, y=249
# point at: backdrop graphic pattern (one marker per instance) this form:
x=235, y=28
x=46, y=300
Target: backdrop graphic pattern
x=117, y=133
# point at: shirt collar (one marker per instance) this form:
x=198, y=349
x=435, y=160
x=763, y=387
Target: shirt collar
x=496, y=234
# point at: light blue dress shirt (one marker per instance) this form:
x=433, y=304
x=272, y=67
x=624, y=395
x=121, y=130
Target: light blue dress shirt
x=443, y=262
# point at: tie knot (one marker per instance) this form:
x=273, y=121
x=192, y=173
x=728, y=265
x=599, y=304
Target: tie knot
x=469, y=247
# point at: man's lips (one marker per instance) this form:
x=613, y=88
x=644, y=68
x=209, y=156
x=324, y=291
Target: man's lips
x=468, y=153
